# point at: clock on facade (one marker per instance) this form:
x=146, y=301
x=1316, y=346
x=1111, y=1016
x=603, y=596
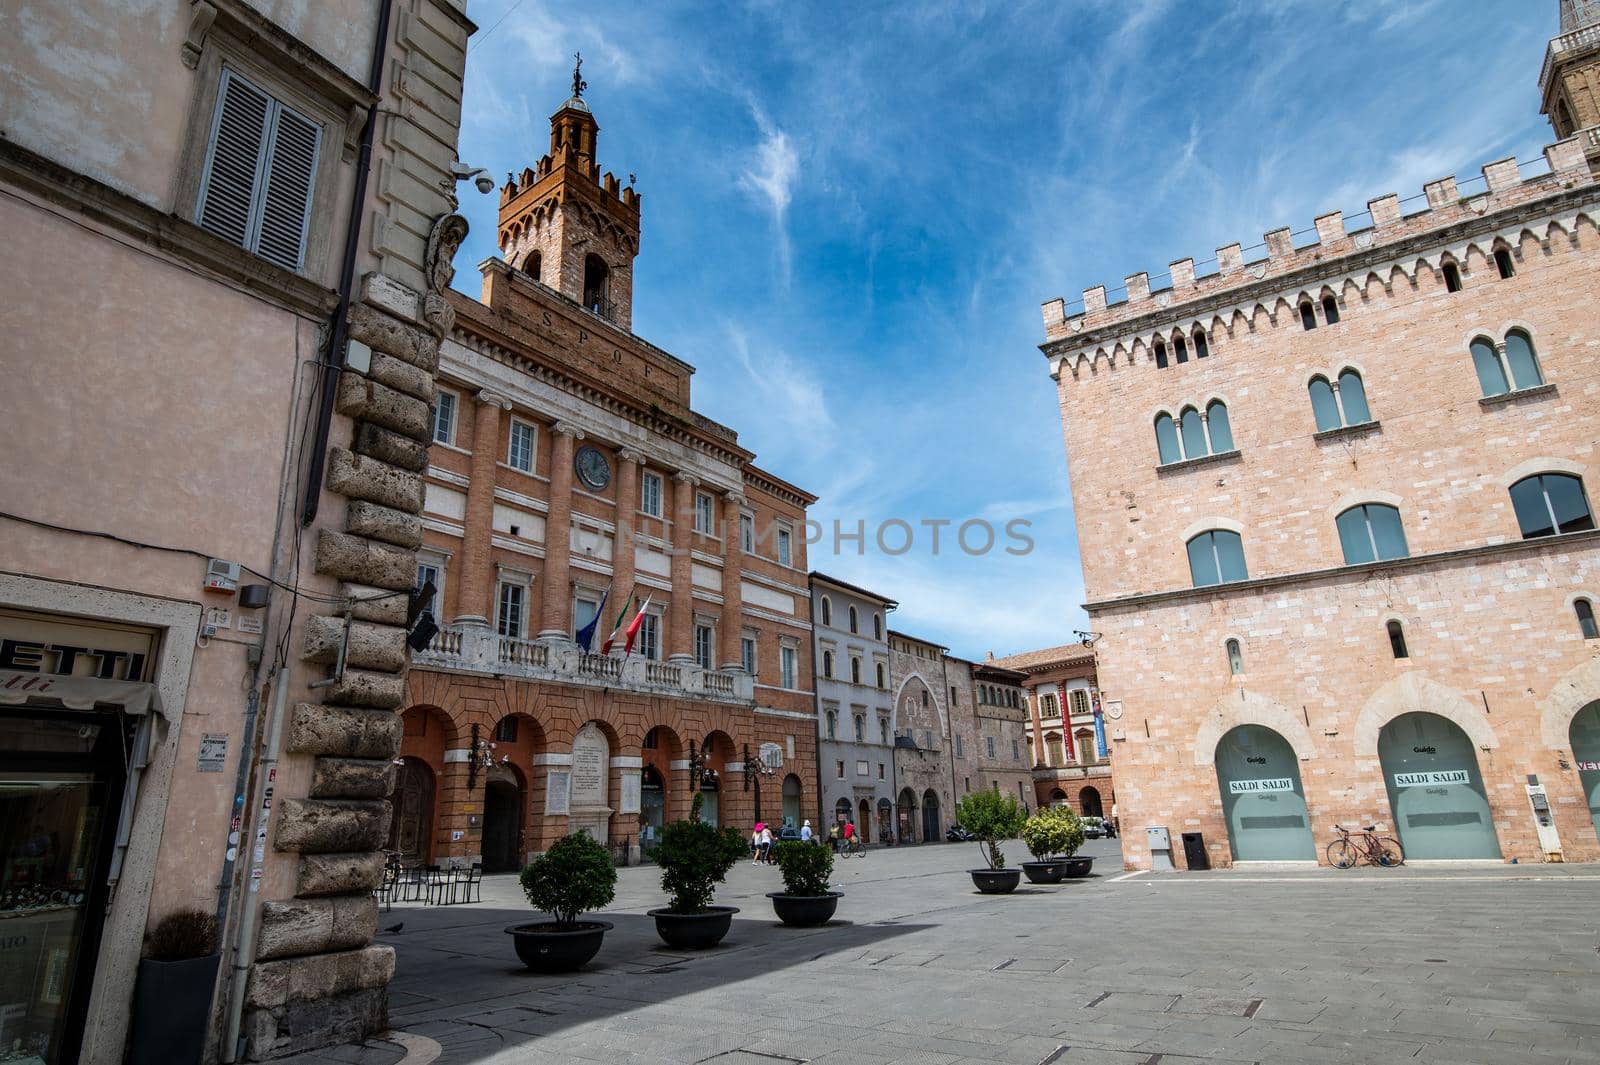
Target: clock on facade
x=593, y=469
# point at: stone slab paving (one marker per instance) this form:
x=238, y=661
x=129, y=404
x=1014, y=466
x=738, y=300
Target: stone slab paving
x=1497, y=965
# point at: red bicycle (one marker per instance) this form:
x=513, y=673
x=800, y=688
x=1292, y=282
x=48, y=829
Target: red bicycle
x=1352, y=847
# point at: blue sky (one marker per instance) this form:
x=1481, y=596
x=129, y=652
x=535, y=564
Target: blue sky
x=852, y=212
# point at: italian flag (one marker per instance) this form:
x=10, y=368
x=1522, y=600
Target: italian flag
x=616, y=630
x=633, y=628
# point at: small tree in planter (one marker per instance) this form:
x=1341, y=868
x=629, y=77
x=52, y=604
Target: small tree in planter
x=172, y=996
x=574, y=876
x=992, y=817
x=694, y=858
x=1053, y=836
x=805, y=900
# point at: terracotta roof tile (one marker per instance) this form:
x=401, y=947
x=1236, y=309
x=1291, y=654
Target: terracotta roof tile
x=1067, y=652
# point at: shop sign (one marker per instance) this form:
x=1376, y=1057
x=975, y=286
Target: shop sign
x=1432, y=779
x=52, y=646
x=1587, y=767
x=1250, y=787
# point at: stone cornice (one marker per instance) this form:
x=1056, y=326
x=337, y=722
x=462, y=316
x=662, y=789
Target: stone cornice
x=176, y=238
x=1586, y=539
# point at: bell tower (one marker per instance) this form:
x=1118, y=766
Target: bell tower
x=567, y=225
x=1569, y=83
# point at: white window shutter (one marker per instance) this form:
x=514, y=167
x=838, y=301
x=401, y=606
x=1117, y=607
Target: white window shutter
x=229, y=188
x=291, y=173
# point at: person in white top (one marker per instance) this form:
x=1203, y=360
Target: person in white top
x=755, y=844
x=805, y=832
x=766, y=843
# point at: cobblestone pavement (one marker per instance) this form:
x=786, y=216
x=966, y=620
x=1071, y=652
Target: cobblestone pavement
x=1494, y=965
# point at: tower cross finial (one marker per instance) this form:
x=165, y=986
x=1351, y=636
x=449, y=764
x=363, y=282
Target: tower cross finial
x=578, y=84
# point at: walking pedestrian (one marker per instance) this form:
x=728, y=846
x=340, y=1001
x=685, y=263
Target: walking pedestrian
x=805, y=832
x=755, y=844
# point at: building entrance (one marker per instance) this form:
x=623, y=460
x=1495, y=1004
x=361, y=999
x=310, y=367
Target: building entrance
x=930, y=817
x=1262, y=799
x=411, y=833
x=61, y=789
x=1585, y=736
x=1435, y=789
x=502, y=824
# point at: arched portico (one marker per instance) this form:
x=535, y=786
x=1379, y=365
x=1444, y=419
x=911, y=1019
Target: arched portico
x=1436, y=792
x=1585, y=736
x=1263, y=801
x=1249, y=708
x=1411, y=692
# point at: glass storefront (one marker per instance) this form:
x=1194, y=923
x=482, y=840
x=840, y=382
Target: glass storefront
x=60, y=793
x=1435, y=789
x=1262, y=799
x=1585, y=736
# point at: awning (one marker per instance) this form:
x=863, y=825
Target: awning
x=78, y=693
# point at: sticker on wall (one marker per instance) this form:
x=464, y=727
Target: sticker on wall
x=1248, y=787
x=250, y=623
x=213, y=752
x=457, y=835
x=1433, y=779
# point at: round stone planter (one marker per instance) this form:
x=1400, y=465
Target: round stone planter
x=805, y=911
x=1079, y=866
x=546, y=949
x=694, y=931
x=995, y=881
x=1046, y=872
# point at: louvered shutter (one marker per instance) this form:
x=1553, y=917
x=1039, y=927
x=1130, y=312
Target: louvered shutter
x=260, y=174
x=291, y=172
x=232, y=176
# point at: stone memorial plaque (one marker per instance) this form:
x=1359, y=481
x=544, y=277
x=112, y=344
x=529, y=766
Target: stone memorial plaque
x=631, y=792
x=590, y=756
x=558, y=786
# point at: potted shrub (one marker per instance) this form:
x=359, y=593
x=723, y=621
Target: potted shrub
x=574, y=876
x=805, y=900
x=172, y=996
x=1053, y=836
x=992, y=817
x=694, y=858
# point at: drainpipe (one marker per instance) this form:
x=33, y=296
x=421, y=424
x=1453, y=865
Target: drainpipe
x=333, y=358
x=244, y=948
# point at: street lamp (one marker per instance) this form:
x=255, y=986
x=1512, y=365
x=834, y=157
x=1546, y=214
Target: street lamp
x=755, y=767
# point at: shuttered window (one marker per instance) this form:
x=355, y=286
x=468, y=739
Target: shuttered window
x=260, y=174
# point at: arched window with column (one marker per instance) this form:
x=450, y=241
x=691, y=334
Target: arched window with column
x=1192, y=431
x=1161, y=355
x=1202, y=347
x=1218, y=428
x=1509, y=366
x=1180, y=349
x=1167, y=446
x=1335, y=406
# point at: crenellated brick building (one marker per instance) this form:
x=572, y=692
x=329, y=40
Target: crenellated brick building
x=569, y=476
x=1346, y=568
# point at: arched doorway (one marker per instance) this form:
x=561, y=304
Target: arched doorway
x=841, y=814
x=716, y=752
x=885, y=819
x=930, y=817
x=502, y=820
x=1262, y=798
x=652, y=806
x=864, y=821
x=1435, y=789
x=906, y=828
x=1585, y=737
x=1057, y=795
x=1089, y=802
x=411, y=831
x=791, y=800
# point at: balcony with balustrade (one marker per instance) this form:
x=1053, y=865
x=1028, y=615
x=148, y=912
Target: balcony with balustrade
x=479, y=649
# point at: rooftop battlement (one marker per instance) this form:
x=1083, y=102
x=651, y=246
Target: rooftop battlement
x=516, y=184
x=1441, y=204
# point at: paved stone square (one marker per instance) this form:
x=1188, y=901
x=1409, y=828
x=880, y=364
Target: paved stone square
x=1483, y=964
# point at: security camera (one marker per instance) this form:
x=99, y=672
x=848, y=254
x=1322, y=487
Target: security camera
x=480, y=177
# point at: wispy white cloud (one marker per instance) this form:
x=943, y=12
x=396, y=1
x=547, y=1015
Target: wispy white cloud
x=771, y=176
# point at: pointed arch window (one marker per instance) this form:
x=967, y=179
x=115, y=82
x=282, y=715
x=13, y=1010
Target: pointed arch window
x=596, y=283
x=1371, y=532
x=1180, y=349
x=1330, y=310
x=1161, y=355
x=1167, y=445
x=1193, y=433
x=1506, y=367
x=1308, y=315
x=1549, y=504
x=1216, y=557
x=1504, y=264
x=1336, y=406
x=1202, y=348
x=1452, y=277
x=536, y=266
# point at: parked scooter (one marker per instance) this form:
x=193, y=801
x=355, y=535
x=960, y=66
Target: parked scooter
x=957, y=834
